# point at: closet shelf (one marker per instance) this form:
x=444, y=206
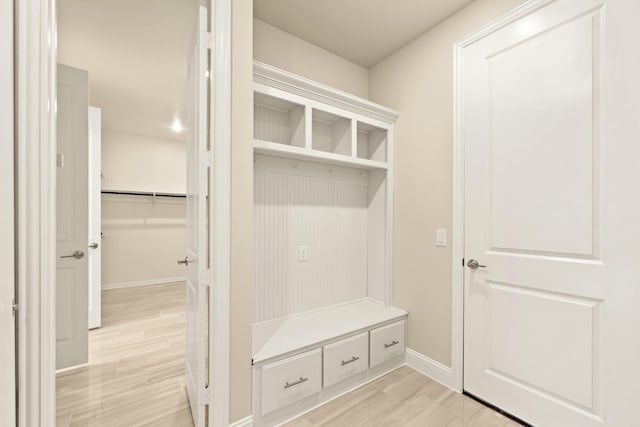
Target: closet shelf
x=143, y=193
x=300, y=153
x=285, y=336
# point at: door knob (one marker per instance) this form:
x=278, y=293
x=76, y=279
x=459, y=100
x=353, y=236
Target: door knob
x=474, y=264
x=184, y=261
x=75, y=254
x=94, y=245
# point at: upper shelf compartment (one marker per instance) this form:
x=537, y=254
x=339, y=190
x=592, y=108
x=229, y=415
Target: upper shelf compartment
x=301, y=119
x=331, y=133
x=372, y=142
x=277, y=120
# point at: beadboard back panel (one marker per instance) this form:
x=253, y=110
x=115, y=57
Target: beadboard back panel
x=302, y=206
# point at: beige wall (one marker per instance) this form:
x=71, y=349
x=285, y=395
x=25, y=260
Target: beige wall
x=283, y=50
x=142, y=163
x=142, y=240
x=241, y=207
x=143, y=237
x=417, y=80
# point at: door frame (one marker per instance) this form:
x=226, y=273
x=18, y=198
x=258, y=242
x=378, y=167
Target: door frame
x=36, y=52
x=458, y=224
x=7, y=217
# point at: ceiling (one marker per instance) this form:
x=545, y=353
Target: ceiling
x=136, y=56
x=362, y=31
x=136, y=51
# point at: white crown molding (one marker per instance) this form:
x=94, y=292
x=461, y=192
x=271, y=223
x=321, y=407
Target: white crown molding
x=284, y=80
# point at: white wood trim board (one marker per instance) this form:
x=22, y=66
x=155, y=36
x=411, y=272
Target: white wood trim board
x=220, y=211
x=36, y=176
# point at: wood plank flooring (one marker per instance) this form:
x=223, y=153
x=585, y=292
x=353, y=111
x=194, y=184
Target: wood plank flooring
x=135, y=375
x=403, y=397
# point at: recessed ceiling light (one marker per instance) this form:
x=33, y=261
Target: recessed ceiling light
x=176, y=126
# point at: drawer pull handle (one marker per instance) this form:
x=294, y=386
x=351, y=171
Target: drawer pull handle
x=353, y=359
x=394, y=342
x=300, y=381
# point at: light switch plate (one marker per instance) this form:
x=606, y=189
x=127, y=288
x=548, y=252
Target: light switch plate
x=302, y=253
x=441, y=237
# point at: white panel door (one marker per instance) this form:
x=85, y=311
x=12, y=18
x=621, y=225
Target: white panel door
x=72, y=213
x=549, y=255
x=7, y=254
x=196, y=260
x=95, y=220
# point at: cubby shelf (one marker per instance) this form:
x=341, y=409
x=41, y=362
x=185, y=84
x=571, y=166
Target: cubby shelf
x=300, y=153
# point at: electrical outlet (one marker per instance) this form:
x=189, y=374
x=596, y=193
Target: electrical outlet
x=302, y=253
x=441, y=237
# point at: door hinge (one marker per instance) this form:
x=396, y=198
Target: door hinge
x=14, y=308
x=205, y=395
x=207, y=158
x=205, y=278
x=208, y=40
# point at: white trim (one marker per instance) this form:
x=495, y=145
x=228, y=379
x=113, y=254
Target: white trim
x=36, y=177
x=431, y=368
x=220, y=212
x=150, y=282
x=8, y=321
x=457, y=240
x=243, y=422
x=71, y=368
x=457, y=230
x=291, y=83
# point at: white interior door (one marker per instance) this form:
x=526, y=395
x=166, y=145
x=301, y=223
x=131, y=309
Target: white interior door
x=95, y=220
x=7, y=248
x=547, y=138
x=72, y=218
x=196, y=260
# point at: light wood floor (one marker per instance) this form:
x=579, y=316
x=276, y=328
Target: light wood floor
x=403, y=397
x=135, y=375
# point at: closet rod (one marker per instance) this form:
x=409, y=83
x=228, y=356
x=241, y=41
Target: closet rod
x=143, y=193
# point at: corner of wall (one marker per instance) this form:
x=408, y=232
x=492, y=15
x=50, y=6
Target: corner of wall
x=241, y=208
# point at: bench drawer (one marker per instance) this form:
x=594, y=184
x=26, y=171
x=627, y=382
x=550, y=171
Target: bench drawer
x=345, y=358
x=387, y=342
x=290, y=380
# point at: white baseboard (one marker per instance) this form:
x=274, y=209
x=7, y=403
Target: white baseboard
x=71, y=368
x=431, y=368
x=106, y=286
x=243, y=422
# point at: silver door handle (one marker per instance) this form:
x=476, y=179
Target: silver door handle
x=474, y=264
x=75, y=254
x=184, y=261
x=394, y=342
x=94, y=245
